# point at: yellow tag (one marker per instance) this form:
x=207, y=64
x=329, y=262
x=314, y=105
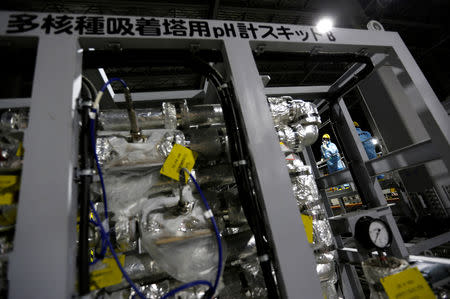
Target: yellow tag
x=20, y=150
x=107, y=276
x=408, y=284
x=179, y=157
x=308, y=224
x=7, y=181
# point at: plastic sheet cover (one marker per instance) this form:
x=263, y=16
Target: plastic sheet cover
x=374, y=269
x=183, y=245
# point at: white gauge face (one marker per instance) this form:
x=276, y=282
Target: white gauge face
x=379, y=234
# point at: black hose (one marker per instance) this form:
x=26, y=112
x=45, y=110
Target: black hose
x=85, y=163
x=243, y=173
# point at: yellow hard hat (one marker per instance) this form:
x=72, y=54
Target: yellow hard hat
x=356, y=124
x=326, y=136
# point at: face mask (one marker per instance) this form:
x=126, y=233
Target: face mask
x=325, y=142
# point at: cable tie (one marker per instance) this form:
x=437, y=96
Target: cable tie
x=82, y=103
x=263, y=258
x=208, y=214
x=240, y=162
x=86, y=172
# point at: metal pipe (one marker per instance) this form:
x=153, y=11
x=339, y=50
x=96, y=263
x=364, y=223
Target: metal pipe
x=155, y=118
x=134, y=128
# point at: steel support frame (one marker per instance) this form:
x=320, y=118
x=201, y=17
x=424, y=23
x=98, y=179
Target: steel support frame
x=409, y=156
x=42, y=264
x=288, y=239
x=367, y=186
x=350, y=284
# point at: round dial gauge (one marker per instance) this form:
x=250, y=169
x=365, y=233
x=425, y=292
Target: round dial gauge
x=373, y=233
x=379, y=233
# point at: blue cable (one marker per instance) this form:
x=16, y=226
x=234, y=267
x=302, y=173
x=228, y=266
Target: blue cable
x=219, y=243
x=113, y=252
x=100, y=174
x=112, y=80
x=216, y=230
x=105, y=237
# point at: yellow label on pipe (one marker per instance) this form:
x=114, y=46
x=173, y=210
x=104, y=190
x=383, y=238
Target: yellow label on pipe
x=408, y=284
x=179, y=157
x=108, y=275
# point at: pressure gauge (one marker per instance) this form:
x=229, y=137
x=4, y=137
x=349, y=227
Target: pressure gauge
x=373, y=233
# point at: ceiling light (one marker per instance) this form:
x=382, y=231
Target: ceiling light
x=324, y=25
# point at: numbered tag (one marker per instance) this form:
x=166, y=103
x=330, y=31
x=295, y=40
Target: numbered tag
x=179, y=157
x=408, y=284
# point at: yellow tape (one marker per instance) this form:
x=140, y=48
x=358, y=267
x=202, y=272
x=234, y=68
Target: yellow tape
x=20, y=150
x=107, y=276
x=6, y=188
x=179, y=157
x=408, y=284
x=308, y=224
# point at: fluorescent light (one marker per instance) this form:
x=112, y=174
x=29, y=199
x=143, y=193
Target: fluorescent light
x=91, y=49
x=324, y=25
x=374, y=141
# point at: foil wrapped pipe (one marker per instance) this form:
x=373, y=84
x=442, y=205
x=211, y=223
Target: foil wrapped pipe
x=307, y=196
x=115, y=150
x=170, y=115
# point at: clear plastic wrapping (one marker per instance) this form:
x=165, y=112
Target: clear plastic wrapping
x=374, y=269
x=184, y=245
x=116, y=151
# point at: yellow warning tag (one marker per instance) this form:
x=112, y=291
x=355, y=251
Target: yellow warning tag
x=179, y=157
x=408, y=284
x=109, y=275
x=308, y=224
x=6, y=188
x=20, y=150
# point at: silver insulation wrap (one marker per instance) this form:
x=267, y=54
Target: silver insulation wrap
x=296, y=124
x=169, y=237
x=295, y=121
x=170, y=116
